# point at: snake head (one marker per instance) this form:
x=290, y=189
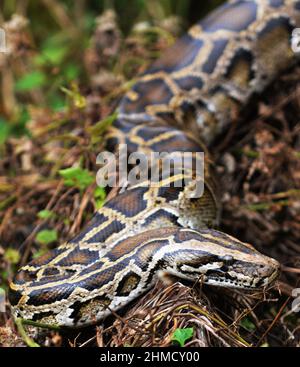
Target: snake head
x=221, y=260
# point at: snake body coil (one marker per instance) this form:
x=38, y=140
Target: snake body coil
x=194, y=89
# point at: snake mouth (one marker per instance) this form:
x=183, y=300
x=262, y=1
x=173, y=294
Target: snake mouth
x=219, y=277
x=222, y=279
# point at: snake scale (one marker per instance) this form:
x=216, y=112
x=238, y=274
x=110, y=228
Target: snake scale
x=143, y=232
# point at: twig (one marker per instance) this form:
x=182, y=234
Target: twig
x=273, y=322
x=24, y=336
x=38, y=324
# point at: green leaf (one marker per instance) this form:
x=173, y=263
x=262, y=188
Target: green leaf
x=77, y=177
x=31, y=81
x=39, y=253
x=247, y=324
x=99, y=195
x=66, y=221
x=182, y=335
x=54, y=54
x=4, y=275
x=57, y=102
x=46, y=236
x=45, y=214
x=71, y=72
x=4, y=131
x=12, y=256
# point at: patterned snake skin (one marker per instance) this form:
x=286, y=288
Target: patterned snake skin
x=193, y=91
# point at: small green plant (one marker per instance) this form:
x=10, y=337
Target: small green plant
x=99, y=195
x=77, y=177
x=30, y=81
x=46, y=236
x=39, y=253
x=182, y=335
x=45, y=214
x=12, y=256
x=247, y=324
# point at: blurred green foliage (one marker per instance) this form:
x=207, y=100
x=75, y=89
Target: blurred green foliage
x=77, y=177
x=46, y=236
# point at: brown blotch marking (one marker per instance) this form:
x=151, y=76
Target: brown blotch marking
x=92, y=268
x=96, y=221
x=276, y=3
x=226, y=241
x=235, y=17
x=126, y=246
x=89, y=308
x=179, y=55
x=161, y=218
x=217, y=51
x=49, y=295
x=46, y=258
x=170, y=193
x=190, y=82
x=145, y=253
x=130, y=203
x=179, y=143
x=128, y=284
x=155, y=91
x=115, y=226
x=185, y=235
x=51, y=271
x=277, y=32
x=103, y=277
x=80, y=257
x=204, y=208
x=225, y=104
x=239, y=71
x=152, y=92
x=150, y=131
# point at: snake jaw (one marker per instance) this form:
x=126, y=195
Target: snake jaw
x=234, y=279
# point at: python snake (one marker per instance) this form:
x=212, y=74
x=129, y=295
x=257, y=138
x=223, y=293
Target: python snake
x=194, y=90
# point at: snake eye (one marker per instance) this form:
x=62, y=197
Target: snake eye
x=227, y=259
